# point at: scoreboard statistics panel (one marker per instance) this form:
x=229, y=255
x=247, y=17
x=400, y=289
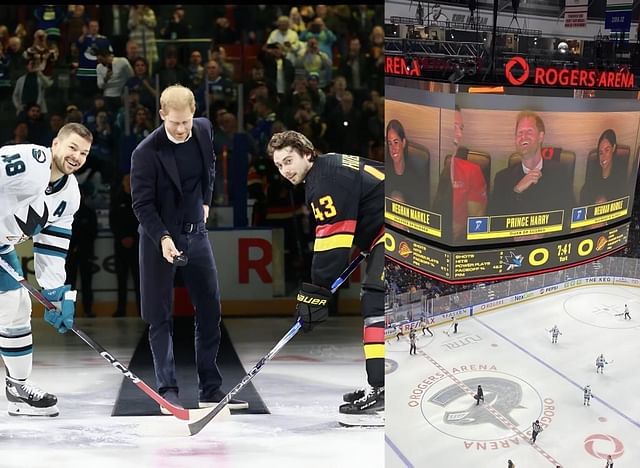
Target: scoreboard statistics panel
x=503, y=261
x=476, y=185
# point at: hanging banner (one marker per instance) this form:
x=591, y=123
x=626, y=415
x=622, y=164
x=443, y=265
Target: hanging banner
x=618, y=15
x=575, y=13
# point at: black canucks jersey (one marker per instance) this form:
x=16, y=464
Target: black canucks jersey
x=346, y=196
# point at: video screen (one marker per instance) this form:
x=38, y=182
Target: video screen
x=464, y=169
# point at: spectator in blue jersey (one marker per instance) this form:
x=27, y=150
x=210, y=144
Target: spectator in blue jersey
x=88, y=45
x=140, y=82
x=217, y=90
x=49, y=18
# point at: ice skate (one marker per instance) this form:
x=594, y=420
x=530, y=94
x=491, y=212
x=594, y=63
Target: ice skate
x=26, y=399
x=351, y=397
x=366, y=411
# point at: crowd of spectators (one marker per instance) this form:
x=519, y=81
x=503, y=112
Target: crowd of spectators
x=254, y=69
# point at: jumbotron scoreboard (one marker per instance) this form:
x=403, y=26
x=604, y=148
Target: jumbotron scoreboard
x=472, y=219
x=508, y=260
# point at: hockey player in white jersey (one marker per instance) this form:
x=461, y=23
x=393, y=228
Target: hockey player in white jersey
x=555, y=331
x=587, y=395
x=600, y=362
x=38, y=198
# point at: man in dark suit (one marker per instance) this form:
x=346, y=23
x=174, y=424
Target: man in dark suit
x=172, y=174
x=536, y=184
x=124, y=226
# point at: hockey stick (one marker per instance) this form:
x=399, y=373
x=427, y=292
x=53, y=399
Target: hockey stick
x=197, y=426
x=180, y=413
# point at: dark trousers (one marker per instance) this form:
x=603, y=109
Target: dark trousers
x=126, y=260
x=86, y=90
x=80, y=257
x=156, y=288
x=372, y=303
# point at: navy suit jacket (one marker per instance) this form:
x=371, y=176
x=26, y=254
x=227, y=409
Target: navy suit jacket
x=156, y=191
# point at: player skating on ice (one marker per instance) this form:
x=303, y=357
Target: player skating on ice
x=536, y=429
x=450, y=329
x=587, y=395
x=479, y=395
x=346, y=196
x=554, y=334
x=627, y=315
x=600, y=362
x=38, y=197
x=424, y=326
x=412, y=340
x=398, y=333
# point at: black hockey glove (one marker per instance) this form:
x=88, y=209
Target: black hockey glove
x=313, y=305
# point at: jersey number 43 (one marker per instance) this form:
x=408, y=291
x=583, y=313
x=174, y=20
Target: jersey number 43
x=326, y=209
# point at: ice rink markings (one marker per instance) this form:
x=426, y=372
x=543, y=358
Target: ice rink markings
x=557, y=372
x=500, y=417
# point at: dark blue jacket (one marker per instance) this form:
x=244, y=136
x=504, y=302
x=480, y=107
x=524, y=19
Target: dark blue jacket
x=155, y=183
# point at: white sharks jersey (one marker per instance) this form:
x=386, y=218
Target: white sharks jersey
x=40, y=210
x=24, y=175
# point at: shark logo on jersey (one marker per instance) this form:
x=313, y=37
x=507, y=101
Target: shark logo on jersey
x=34, y=223
x=502, y=394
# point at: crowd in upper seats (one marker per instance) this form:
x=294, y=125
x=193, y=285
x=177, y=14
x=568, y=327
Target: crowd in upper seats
x=254, y=69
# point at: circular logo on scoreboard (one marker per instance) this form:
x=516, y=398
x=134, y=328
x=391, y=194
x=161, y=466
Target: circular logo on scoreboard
x=521, y=68
x=603, y=445
x=404, y=250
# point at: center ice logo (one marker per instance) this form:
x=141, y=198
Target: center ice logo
x=446, y=402
x=502, y=394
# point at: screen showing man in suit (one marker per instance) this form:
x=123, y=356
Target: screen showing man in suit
x=515, y=171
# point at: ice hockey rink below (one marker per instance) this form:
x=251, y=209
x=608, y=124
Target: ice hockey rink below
x=302, y=387
x=432, y=417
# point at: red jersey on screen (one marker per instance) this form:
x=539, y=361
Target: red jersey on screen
x=468, y=185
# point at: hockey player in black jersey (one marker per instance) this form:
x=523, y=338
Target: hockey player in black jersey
x=346, y=196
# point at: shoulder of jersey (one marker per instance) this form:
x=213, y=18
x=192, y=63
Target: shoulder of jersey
x=73, y=186
x=37, y=160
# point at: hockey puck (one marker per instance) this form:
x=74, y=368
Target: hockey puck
x=180, y=260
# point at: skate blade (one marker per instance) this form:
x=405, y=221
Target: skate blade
x=16, y=409
x=362, y=420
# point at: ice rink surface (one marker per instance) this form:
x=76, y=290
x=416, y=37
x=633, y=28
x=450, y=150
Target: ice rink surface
x=433, y=419
x=302, y=387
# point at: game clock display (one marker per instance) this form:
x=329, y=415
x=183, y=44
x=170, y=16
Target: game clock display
x=507, y=261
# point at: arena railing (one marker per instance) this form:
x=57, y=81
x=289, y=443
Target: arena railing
x=410, y=307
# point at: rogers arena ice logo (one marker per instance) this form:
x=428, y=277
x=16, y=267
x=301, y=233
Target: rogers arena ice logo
x=615, y=447
x=448, y=407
